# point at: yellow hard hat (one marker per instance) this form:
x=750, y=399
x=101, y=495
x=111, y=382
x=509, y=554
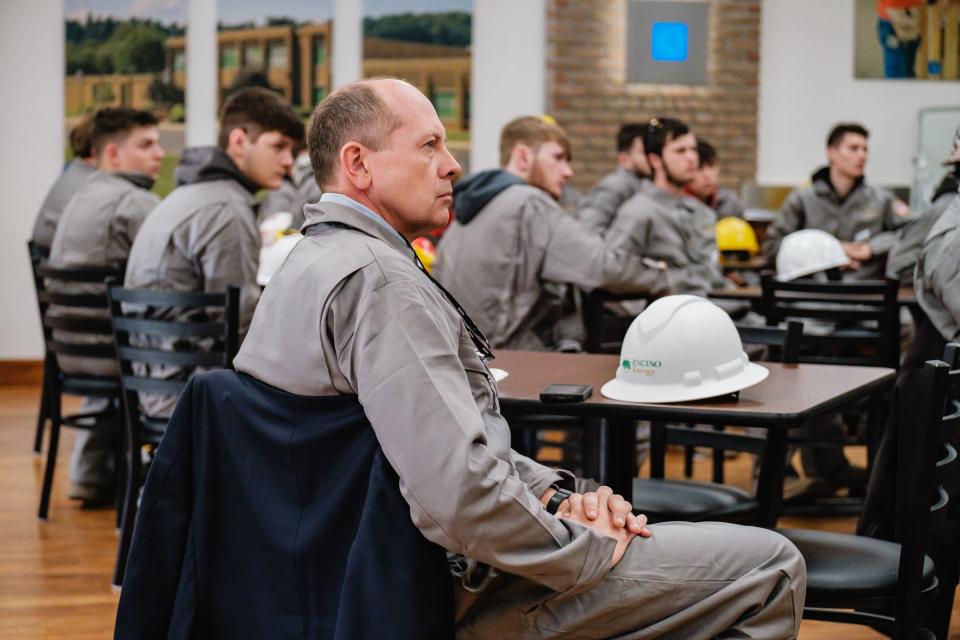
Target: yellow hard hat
x=735, y=234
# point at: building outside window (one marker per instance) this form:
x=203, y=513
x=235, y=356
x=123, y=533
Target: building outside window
x=319, y=93
x=278, y=55
x=179, y=61
x=252, y=56
x=229, y=58
x=319, y=51
x=445, y=102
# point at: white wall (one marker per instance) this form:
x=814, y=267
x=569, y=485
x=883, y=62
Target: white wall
x=807, y=85
x=31, y=128
x=509, y=72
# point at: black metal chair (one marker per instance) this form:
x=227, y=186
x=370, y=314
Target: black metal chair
x=663, y=499
x=882, y=584
x=216, y=321
x=604, y=328
x=37, y=255
x=76, y=314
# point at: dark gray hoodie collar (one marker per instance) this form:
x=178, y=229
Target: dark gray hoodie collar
x=145, y=182
x=206, y=164
x=472, y=194
x=821, y=182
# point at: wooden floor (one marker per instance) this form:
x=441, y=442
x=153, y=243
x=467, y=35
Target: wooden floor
x=55, y=575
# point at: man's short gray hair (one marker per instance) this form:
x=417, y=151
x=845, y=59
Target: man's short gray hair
x=353, y=113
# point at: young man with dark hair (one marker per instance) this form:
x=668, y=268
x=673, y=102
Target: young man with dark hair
x=97, y=229
x=511, y=249
x=600, y=205
x=352, y=313
x=706, y=188
x=299, y=188
x=661, y=222
x=203, y=236
x=76, y=171
x=865, y=219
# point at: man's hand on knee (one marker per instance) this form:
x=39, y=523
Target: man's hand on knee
x=573, y=509
x=619, y=510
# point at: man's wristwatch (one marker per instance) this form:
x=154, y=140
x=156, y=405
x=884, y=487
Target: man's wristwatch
x=553, y=505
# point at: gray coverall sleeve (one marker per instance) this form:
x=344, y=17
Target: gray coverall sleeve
x=230, y=257
x=573, y=255
x=464, y=496
x=943, y=281
x=791, y=219
x=132, y=213
x=892, y=223
x=599, y=206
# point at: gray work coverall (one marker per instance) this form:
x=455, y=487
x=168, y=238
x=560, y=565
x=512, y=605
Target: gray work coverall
x=679, y=230
x=202, y=237
x=350, y=313
x=498, y=264
x=97, y=229
x=65, y=186
x=937, y=279
x=903, y=256
x=599, y=206
x=866, y=214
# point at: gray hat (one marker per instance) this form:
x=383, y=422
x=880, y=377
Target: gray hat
x=955, y=149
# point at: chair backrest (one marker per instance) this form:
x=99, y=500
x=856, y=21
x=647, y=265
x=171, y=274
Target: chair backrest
x=37, y=255
x=220, y=335
x=929, y=420
x=605, y=329
x=866, y=316
x=72, y=301
x=784, y=342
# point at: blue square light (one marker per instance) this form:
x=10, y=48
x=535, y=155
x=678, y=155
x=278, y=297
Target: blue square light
x=669, y=42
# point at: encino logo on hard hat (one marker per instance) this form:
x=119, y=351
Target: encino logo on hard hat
x=641, y=367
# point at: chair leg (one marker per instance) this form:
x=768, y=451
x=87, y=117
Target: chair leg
x=44, y=412
x=688, y=452
x=129, y=509
x=51, y=455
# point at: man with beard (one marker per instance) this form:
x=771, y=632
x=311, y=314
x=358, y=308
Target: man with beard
x=864, y=218
x=511, y=248
x=600, y=205
x=661, y=222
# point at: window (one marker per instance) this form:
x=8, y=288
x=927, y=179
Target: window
x=319, y=51
x=445, y=102
x=319, y=93
x=278, y=55
x=252, y=56
x=229, y=58
x=179, y=61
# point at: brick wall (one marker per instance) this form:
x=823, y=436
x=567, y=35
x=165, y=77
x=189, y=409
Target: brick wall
x=587, y=93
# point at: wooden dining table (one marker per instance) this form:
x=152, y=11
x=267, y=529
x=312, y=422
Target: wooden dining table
x=789, y=396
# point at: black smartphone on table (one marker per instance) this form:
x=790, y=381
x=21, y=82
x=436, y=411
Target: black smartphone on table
x=566, y=393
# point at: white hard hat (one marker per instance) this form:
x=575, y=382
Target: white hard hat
x=808, y=251
x=681, y=348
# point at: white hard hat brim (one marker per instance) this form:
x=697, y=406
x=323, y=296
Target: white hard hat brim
x=799, y=273
x=623, y=391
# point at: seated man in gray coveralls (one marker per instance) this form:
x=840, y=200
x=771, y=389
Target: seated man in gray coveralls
x=863, y=217
x=600, y=205
x=97, y=229
x=511, y=249
x=351, y=312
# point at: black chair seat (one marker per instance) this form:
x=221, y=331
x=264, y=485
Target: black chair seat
x=845, y=570
x=663, y=500
x=90, y=386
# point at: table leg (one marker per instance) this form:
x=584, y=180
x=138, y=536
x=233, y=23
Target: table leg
x=770, y=483
x=620, y=453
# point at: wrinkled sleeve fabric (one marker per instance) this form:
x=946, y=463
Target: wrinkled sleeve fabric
x=405, y=364
x=791, y=219
x=893, y=224
x=131, y=214
x=229, y=256
x=940, y=278
x=599, y=206
x=584, y=259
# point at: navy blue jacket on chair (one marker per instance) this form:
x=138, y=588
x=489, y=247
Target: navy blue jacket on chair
x=271, y=515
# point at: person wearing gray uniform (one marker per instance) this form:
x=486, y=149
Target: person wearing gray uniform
x=600, y=205
x=937, y=279
x=864, y=218
x=903, y=256
x=706, y=188
x=298, y=189
x=67, y=183
x=351, y=312
x=511, y=248
x=203, y=236
x=97, y=229
x=660, y=222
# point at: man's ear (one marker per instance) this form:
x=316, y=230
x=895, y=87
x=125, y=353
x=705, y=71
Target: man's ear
x=523, y=157
x=237, y=140
x=108, y=157
x=655, y=162
x=355, y=165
